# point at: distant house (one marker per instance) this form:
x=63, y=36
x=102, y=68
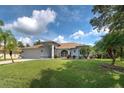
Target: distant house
x=16, y=54
x=50, y=49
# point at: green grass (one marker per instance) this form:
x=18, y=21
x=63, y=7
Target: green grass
x=60, y=73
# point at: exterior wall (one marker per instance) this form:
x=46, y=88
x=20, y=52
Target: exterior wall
x=75, y=52
x=48, y=52
x=36, y=53
x=72, y=52
x=78, y=52
x=58, y=52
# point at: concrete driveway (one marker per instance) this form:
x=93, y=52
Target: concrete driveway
x=17, y=60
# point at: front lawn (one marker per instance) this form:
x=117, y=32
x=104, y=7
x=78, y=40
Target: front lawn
x=60, y=73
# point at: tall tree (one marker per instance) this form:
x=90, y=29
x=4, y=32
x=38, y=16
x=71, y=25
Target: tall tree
x=111, y=44
x=8, y=39
x=111, y=17
x=11, y=46
x=20, y=44
x=5, y=37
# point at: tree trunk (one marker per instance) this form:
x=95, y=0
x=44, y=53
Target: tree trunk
x=121, y=53
x=112, y=53
x=113, y=61
x=87, y=55
x=4, y=51
x=84, y=56
x=10, y=53
x=12, y=59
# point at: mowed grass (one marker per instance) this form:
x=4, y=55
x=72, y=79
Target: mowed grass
x=59, y=73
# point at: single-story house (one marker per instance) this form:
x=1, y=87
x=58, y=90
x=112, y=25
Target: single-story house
x=50, y=49
x=16, y=54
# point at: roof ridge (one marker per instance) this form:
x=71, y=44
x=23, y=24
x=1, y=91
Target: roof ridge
x=70, y=43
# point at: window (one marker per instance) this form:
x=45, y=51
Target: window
x=74, y=51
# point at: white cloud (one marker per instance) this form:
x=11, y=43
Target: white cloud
x=91, y=44
x=26, y=40
x=100, y=33
x=77, y=35
x=81, y=34
x=35, y=24
x=59, y=39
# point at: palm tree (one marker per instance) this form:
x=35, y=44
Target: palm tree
x=2, y=37
x=7, y=38
x=11, y=45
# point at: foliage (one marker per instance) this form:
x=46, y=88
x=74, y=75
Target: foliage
x=12, y=44
x=111, y=17
x=20, y=44
x=1, y=23
x=111, y=42
x=85, y=51
x=8, y=40
x=113, y=39
x=37, y=42
x=108, y=16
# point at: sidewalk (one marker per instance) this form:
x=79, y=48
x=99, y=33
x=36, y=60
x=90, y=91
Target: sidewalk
x=17, y=60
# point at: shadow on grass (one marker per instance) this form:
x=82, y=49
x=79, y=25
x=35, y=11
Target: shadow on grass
x=77, y=75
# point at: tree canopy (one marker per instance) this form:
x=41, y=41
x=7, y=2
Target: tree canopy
x=108, y=16
x=112, y=43
x=85, y=51
x=111, y=17
x=20, y=44
x=37, y=42
x=8, y=40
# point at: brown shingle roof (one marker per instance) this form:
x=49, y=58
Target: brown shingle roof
x=41, y=45
x=50, y=42
x=68, y=45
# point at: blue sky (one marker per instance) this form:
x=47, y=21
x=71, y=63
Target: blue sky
x=57, y=23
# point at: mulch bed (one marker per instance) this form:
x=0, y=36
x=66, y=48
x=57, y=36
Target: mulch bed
x=113, y=67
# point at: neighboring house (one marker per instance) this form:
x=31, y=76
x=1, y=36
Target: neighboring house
x=50, y=49
x=16, y=54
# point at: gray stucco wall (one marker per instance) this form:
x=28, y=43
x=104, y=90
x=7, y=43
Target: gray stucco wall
x=73, y=52
x=36, y=53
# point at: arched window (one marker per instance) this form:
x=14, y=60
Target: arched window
x=64, y=53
